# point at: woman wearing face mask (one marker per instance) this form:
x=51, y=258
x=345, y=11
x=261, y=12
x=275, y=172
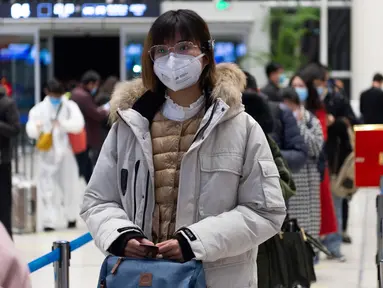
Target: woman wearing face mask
x=184, y=167
x=57, y=166
x=305, y=205
x=330, y=204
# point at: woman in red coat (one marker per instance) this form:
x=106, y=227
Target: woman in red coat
x=328, y=223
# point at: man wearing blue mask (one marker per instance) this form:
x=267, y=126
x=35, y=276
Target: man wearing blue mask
x=84, y=96
x=58, y=175
x=276, y=79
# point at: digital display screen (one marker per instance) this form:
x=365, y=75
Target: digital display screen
x=24, y=52
x=228, y=51
x=84, y=10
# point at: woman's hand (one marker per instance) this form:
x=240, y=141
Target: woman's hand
x=330, y=119
x=171, y=250
x=347, y=121
x=134, y=249
x=298, y=114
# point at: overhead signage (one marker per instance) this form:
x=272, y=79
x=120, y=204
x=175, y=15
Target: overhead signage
x=84, y=10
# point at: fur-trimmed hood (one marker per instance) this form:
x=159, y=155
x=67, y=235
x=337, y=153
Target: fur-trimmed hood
x=231, y=82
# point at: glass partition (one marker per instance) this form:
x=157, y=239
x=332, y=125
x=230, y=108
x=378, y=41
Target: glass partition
x=20, y=72
x=20, y=66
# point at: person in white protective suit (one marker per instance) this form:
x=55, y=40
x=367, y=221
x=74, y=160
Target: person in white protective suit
x=58, y=178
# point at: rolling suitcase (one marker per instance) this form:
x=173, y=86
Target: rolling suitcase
x=24, y=194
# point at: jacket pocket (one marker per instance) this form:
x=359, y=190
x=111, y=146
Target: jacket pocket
x=227, y=162
x=220, y=174
x=270, y=184
x=124, y=181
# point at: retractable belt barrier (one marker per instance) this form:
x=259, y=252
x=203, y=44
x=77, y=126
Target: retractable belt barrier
x=60, y=257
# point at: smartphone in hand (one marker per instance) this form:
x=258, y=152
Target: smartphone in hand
x=151, y=250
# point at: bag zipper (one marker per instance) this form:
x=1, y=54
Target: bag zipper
x=146, y=201
x=136, y=167
x=115, y=267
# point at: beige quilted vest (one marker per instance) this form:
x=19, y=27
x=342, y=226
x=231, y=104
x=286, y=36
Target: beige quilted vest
x=170, y=140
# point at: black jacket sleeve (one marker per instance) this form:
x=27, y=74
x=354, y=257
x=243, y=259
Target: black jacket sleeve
x=258, y=108
x=294, y=149
x=10, y=126
x=118, y=246
x=187, y=252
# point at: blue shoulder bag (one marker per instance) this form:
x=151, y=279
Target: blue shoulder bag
x=119, y=272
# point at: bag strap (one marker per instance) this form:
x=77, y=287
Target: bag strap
x=336, y=160
x=58, y=111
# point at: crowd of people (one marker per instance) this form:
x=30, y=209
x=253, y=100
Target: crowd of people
x=173, y=160
x=313, y=118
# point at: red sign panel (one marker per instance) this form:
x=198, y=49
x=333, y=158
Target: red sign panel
x=368, y=155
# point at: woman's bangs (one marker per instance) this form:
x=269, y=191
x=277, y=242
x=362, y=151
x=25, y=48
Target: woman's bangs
x=168, y=30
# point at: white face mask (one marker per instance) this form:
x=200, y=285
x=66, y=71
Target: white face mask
x=178, y=72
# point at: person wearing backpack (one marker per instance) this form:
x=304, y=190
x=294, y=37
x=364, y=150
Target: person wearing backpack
x=334, y=130
x=50, y=122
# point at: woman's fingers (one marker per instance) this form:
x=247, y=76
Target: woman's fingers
x=170, y=250
x=133, y=247
x=165, y=248
x=145, y=241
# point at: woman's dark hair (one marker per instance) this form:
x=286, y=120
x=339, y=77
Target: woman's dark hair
x=313, y=71
x=313, y=102
x=251, y=82
x=54, y=87
x=291, y=95
x=292, y=79
x=191, y=27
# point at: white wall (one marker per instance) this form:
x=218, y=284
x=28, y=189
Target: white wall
x=245, y=20
x=367, y=43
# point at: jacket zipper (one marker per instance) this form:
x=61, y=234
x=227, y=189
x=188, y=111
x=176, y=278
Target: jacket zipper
x=146, y=201
x=136, y=167
x=207, y=123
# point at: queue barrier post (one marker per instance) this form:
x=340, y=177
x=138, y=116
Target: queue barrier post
x=61, y=267
x=60, y=257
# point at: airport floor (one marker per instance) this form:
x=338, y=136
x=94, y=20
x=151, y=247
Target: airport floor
x=358, y=272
